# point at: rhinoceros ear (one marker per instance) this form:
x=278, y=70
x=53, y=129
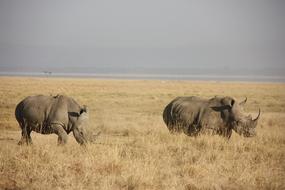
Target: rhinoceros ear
x=83, y=117
x=228, y=101
x=83, y=109
x=224, y=103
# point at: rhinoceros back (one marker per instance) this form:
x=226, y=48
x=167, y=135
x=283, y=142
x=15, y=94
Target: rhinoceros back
x=41, y=111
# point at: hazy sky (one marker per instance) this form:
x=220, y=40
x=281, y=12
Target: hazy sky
x=143, y=36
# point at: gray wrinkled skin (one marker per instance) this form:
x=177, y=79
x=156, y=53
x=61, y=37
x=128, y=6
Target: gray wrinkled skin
x=218, y=115
x=52, y=114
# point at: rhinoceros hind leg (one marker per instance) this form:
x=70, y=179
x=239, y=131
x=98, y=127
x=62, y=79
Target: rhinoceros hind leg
x=26, y=135
x=191, y=130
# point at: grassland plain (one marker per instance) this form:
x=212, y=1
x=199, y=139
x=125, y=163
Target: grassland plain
x=135, y=149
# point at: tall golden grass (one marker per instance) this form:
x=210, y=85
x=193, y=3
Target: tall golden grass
x=135, y=149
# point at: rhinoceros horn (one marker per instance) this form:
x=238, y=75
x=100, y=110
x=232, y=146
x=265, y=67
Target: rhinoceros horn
x=254, y=121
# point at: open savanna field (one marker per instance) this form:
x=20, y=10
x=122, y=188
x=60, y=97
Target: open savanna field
x=135, y=149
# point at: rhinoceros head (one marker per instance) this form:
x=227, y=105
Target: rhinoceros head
x=240, y=122
x=81, y=125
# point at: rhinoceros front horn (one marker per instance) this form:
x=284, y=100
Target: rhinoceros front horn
x=254, y=121
x=257, y=115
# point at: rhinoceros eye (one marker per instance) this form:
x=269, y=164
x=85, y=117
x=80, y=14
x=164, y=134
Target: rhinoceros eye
x=232, y=103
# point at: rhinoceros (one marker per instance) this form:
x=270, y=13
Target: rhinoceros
x=52, y=114
x=219, y=115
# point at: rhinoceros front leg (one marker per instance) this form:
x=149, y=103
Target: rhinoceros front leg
x=227, y=133
x=61, y=133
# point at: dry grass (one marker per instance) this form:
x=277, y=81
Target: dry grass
x=135, y=150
